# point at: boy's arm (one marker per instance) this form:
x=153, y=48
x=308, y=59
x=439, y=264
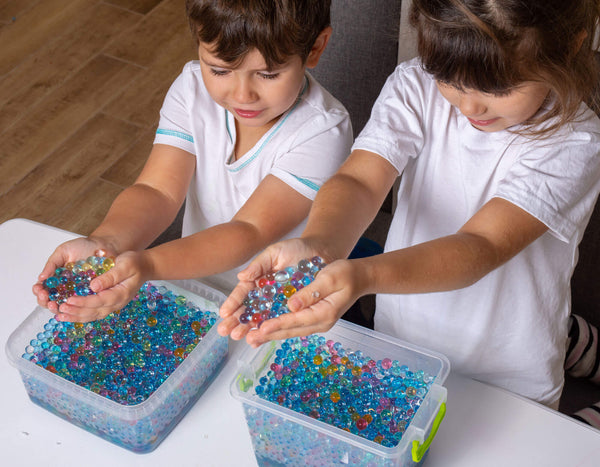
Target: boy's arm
x=145, y=209
x=136, y=217
x=273, y=210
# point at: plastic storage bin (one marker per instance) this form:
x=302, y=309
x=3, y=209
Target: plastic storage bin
x=140, y=427
x=282, y=436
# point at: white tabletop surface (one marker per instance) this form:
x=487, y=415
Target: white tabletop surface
x=484, y=426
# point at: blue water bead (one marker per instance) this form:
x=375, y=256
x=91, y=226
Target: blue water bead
x=52, y=282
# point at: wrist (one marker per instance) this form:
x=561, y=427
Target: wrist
x=107, y=243
x=365, y=274
x=329, y=252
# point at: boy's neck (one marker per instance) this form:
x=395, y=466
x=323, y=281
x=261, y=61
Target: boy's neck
x=247, y=137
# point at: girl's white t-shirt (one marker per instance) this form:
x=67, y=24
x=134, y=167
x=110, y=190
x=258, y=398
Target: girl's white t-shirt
x=510, y=328
x=303, y=149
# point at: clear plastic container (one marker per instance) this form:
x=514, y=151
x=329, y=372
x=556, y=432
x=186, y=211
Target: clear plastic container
x=141, y=427
x=281, y=436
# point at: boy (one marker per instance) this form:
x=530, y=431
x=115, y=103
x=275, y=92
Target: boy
x=246, y=137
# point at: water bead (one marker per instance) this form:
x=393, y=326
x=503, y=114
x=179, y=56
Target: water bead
x=269, y=299
x=74, y=278
x=339, y=394
x=109, y=359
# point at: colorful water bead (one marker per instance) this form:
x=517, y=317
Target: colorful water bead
x=321, y=379
x=269, y=299
x=75, y=278
x=126, y=356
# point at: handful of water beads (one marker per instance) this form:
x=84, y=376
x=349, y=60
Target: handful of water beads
x=269, y=299
x=75, y=278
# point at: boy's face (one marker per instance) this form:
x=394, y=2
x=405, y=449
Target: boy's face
x=255, y=95
x=488, y=112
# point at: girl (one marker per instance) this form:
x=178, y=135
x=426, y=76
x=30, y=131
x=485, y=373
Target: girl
x=500, y=171
x=245, y=133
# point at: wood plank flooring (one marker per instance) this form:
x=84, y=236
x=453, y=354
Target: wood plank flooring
x=81, y=86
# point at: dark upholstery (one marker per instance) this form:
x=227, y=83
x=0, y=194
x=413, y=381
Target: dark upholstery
x=362, y=52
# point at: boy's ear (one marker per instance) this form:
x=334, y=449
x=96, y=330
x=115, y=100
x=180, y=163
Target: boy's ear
x=318, y=47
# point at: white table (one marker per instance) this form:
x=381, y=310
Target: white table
x=484, y=426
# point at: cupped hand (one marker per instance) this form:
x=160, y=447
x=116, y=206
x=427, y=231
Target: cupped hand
x=68, y=252
x=314, y=308
x=114, y=289
x=274, y=258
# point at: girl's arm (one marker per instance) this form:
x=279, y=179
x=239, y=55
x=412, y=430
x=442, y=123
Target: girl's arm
x=273, y=210
x=497, y=232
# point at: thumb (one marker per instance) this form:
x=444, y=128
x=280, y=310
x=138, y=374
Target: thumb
x=304, y=298
x=105, y=281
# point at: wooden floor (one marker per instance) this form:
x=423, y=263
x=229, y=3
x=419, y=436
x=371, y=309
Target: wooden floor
x=81, y=86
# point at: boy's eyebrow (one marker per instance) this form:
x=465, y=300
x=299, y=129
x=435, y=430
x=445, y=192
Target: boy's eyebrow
x=210, y=63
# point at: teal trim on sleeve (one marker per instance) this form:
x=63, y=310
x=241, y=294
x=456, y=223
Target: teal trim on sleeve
x=177, y=134
x=310, y=184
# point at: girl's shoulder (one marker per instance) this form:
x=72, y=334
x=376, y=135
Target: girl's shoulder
x=412, y=70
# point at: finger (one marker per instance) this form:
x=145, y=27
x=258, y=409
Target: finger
x=108, y=280
x=234, y=328
x=256, y=338
x=259, y=266
x=307, y=296
x=82, y=315
x=320, y=317
x=233, y=303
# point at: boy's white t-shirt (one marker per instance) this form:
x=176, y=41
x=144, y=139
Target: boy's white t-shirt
x=303, y=149
x=510, y=328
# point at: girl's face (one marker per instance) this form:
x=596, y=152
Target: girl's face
x=255, y=95
x=489, y=112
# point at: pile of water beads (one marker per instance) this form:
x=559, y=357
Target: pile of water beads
x=126, y=356
x=375, y=399
x=269, y=299
x=74, y=278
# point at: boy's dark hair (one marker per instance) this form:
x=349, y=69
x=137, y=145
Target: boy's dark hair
x=493, y=45
x=278, y=29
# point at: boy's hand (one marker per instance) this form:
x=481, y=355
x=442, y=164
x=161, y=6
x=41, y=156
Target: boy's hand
x=71, y=251
x=114, y=289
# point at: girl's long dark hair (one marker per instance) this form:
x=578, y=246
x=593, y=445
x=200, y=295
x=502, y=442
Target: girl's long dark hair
x=494, y=45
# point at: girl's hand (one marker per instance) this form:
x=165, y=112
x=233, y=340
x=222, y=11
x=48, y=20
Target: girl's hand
x=314, y=308
x=71, y=251
x=274, y=258
x=114, y=289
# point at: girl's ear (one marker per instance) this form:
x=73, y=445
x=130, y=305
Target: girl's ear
x=318, y=47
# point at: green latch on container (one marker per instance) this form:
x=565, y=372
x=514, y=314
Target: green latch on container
x=419, y=450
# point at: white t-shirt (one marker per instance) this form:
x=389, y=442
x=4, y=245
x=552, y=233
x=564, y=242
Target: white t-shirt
x=509, y=328
x=303, y=149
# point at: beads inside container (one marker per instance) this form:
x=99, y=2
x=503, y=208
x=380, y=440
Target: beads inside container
x=74, y=278
x=269, y=299
x=374, y=399
x=126, y=356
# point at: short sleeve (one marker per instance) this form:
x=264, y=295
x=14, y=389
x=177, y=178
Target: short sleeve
x=395, y=129
x=174, y=127
x=319, y=149
x=558, y=181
